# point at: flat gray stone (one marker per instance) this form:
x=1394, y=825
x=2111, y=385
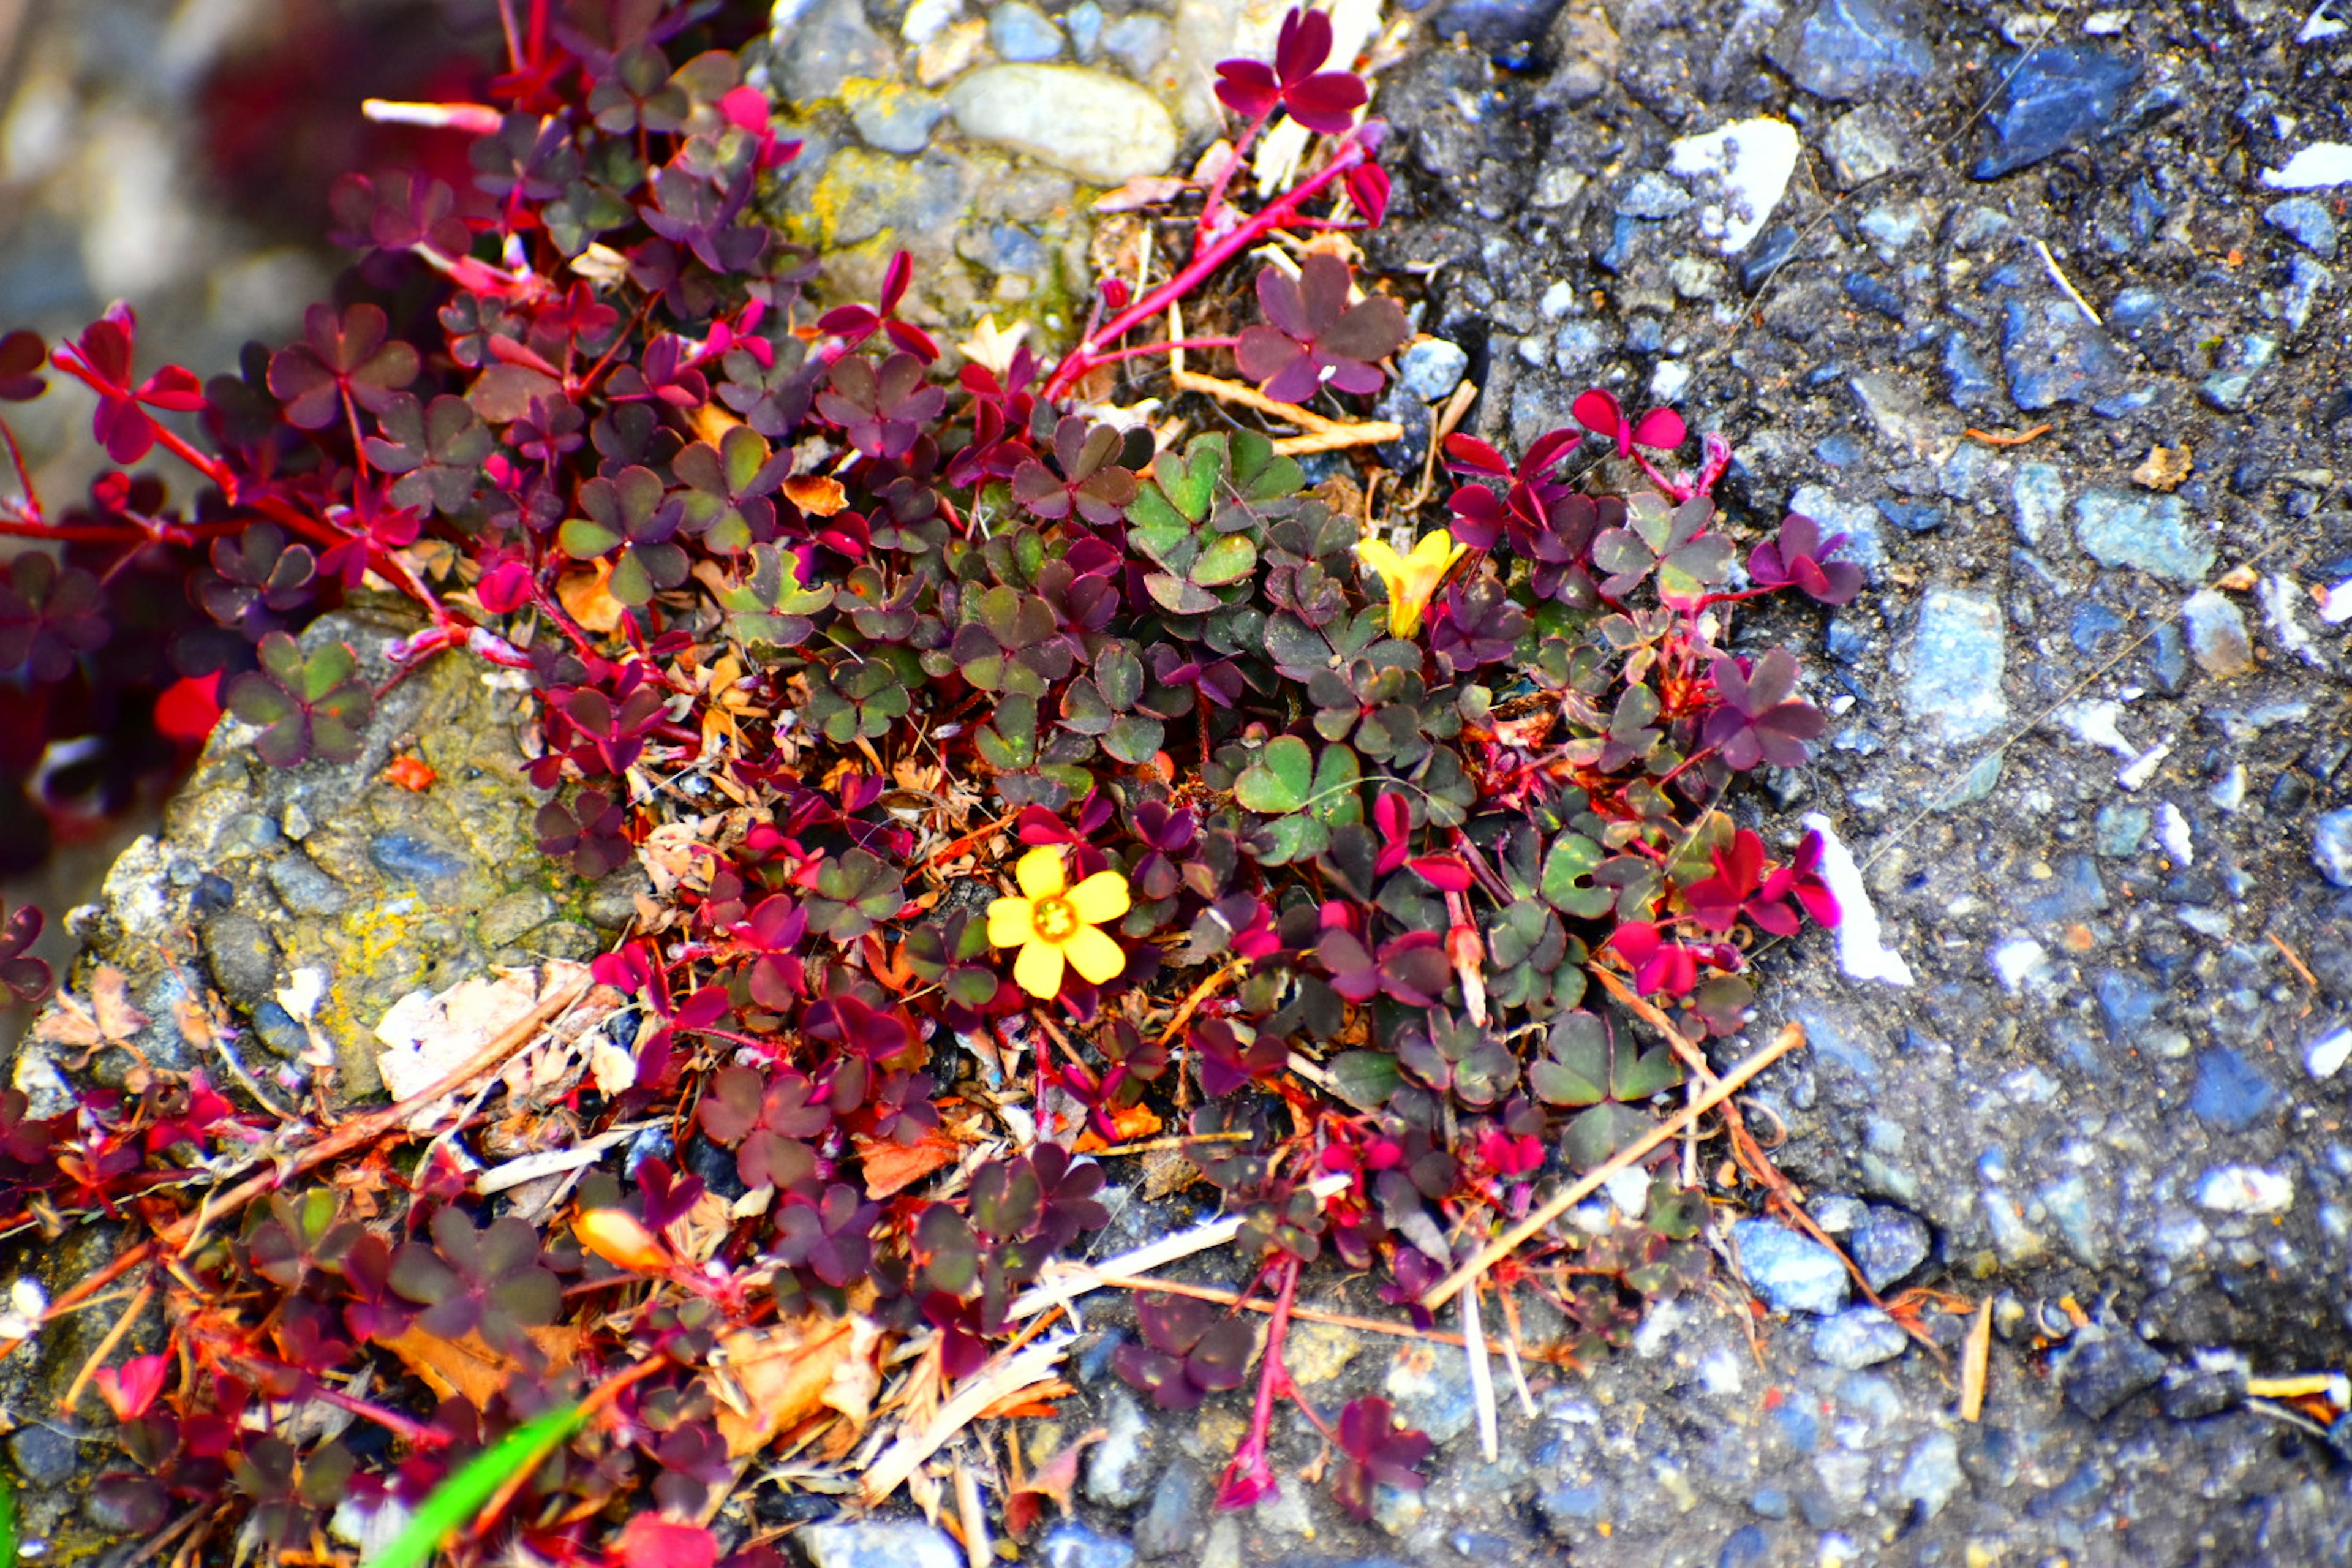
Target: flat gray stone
x=2154, y=534
x=1091, y=123
x=1957, y=655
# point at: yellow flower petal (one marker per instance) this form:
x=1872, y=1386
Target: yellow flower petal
x=1038, y=970
x=1437, y=553
x=1094, y=955
x=1101, y=898
x=1011, y=921
x=1040, y=872
x=1384, y=561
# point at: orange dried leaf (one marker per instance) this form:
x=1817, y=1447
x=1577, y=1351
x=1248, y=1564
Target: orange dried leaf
x=413, y=775
x=771, y=1379
x=1035, y=1400
x=468, y=1367
x=894, y=1167
x=816, y=494
x=588, y=600
x=620, y=1238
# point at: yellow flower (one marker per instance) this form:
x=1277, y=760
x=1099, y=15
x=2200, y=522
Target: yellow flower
x=1412, y=579
x=1052, y=922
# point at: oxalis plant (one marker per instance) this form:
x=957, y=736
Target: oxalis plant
x=1061, y=787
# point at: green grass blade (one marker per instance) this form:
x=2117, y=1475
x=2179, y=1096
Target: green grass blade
x=8, y=1521
x=459, y=1498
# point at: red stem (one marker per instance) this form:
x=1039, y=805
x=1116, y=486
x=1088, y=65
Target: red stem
x=1204, y=262
x=1140, y=350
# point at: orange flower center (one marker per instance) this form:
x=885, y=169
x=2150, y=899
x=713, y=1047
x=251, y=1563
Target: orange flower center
x=1054, y=918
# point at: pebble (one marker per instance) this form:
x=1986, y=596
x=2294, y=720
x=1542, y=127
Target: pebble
x=1137, y=41
x=2217, y=634
x=1085, y=21
x=1958, y=654
x=2120, y=831
x=2151, y=533
x=2312, y=168
x=1754, y=159
x=1888, y=1244
x=1072, y=1545
x=2246, y=1190
x=1431, y=369
x=2326, y=1056
x=2231, y=388
x=1967, y=381
x=1178, y=1518
x=1859, y=1337
x=1087, y=122
x=2331, y=845
x=870, y=1545
x=2305, y=220
x=1792, y=1273
x=1655, y=197
x=831, y=44
x=43, y=1456
x=1841, y=48
x=1894, y=226
x=894, y=119
x=1932, y=1475
x=1022, y=34
x=2103, y=1367
x=1119, y=1468
x=2052, y=354
x=1872, y=294
x=1863, y=145
x=2060, y=97
x=1433, y=1393
x=1768, y=256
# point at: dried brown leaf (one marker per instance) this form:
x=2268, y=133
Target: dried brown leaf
x=769, y=1380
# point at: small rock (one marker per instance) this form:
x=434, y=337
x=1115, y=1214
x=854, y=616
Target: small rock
x=2306, y=278
x=1433, y=1393
x=2326, y=1056
x=1508, y=31
x=2314, y=168
x=2152, y=533
x=2120, y=831
x=1932, y=1475
x=2213, y=1381
x=1085, y=21
x=1022, y=34
x=2059, y=98
x=1119, y=1468
x=1863, y=145
x=1793, y=1273
x=2164, y=468
x=1137, y=41
x=1967, y=381
x=1888, y=1244
x=1653, y=198
x=1586, y=53
x=1178, y=1518
x=2052, y=354
x=893, y=119
x=44, y=1456
x=1102, y=129
x=1431, y=369
x=2102, y=1366
x=2217, y=634
x=2245, y=1190
x=1958, y=654
x=870, y=1545
x=1072, y=1545
x=1858, y=1337
x=831, y=44
x=1754, y=159
x=2307, y=221
x=2231, y=388
x=2230, y=1092
x=1841, y=48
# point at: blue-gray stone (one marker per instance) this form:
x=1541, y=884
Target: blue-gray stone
x=2073, y=893
x=1841, y=48
x=1118, y=1469
x=1431, y=369
x=1912, y=515
x=1576, y=345
x=2092, y=628
x=1072, y=1545
x=2230, y=1092
x=2135, y=309
x=1801, y=1426
x=410, y=858
x=1746, y=1547
x=1894, y=226
x=833, y=43
x=1933, y=1474
x=1566, y=1508
x=2307, y=221
x=1137, y=41
x=2101, y=1367
x=2306, y=278
x=1022, y=34
x=1645, y=335
x=2037, y=499
x=44, y=1456
x=1765, y=255
x=1084, y=23
x=2120, y=829
x=897, y=120
x=2129, y=1002
x=1888, y=1244
x=1966, y=380
x=1178, y=1518
x=1872, y=294
x=2231, y=388
x=2052, y=354
x=1509, y=31
x=1772, y=1502
x=1654, y=197
x=2167, y=656
x=2217, y=634
x=1614, y=257
x=2059, y=98
x=1838, y=450
x=1957, y=655
x=1858, y=1337
x=2154, y=534
x=868, y=1543
x=1793, y=1273
x=2331, y=845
